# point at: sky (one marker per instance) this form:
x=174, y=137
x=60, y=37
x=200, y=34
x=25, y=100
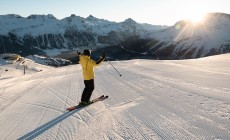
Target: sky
x=155, y=12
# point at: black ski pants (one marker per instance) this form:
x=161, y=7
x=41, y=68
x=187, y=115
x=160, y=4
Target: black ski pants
x=88, y=90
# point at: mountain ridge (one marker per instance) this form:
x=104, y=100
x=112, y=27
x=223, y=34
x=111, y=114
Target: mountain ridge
x=38, y=34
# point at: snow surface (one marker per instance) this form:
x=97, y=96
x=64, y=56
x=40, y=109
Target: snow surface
x=154, y=99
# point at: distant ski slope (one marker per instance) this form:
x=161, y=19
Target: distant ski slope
x=154, y=99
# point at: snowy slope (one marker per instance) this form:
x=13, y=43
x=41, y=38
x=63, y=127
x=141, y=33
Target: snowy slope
x=183, y=99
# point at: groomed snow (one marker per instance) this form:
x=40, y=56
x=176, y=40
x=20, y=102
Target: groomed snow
x=154, y=99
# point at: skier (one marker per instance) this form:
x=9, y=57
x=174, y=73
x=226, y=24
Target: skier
x=88, y=74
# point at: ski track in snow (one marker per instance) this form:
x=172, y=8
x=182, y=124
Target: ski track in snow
x=153, y=100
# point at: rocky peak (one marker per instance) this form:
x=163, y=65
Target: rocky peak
x=43, y=17
x=91, y=18
x=14, y=15
x=130, y=21
x=50, y=16
x=72, y=15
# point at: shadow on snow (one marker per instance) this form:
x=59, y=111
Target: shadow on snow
x=38, y=131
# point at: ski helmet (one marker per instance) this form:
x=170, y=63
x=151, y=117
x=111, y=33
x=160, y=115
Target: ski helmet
x=87, y=52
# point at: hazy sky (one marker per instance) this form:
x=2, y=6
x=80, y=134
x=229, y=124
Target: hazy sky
x=157, y=12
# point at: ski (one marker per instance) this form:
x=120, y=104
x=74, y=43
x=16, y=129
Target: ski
x=101, y=98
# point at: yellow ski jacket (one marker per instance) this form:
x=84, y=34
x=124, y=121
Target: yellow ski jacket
x=88, y=66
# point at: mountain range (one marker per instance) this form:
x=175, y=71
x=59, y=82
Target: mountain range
x=47, y=35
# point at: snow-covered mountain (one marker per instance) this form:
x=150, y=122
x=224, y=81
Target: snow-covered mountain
x=44, y=34
x=153, y=100
x=37, y=33
x=191, y=40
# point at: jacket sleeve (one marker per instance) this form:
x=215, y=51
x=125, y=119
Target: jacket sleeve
x=100, y=60
x=93, y=63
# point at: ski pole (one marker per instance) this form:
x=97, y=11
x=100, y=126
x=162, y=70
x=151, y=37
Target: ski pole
x=113, y=66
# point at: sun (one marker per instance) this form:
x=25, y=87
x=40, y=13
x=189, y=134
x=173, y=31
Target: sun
x=194, y=10
x=196, y=17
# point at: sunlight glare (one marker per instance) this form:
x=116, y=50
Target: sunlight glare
x=196, y=17
x=196, y=10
